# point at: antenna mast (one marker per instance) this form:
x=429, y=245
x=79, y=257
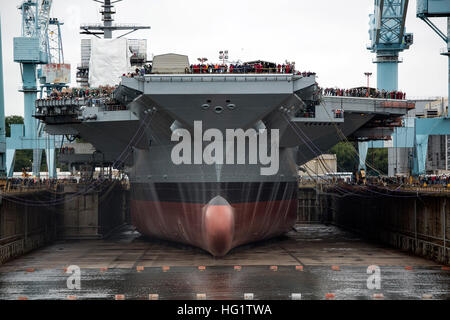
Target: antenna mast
x=108, y=27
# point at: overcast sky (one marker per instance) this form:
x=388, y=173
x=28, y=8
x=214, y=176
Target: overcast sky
x=328, y=37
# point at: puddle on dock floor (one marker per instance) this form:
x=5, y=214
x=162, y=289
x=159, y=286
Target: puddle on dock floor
x=110, y=267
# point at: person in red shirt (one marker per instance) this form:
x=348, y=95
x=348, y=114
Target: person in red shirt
x=288, y=68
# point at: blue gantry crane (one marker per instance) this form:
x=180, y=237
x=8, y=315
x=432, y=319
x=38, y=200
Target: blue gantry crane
x=427, y=9
x=388, y=38
x=2, y=113
x=31, y=50
x=437, y=8
x=387, y=29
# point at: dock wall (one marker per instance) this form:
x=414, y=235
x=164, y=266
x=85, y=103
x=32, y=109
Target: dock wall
x=29, y=220
x=414, y=221
x=91, y=214
x=25, y=227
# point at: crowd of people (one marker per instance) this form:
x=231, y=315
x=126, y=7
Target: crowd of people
x=81, y=93
x=426, y=181
x=259, y=67
x=27, y=183
x=435, y=181
x=102, y=97
x=31, y=183
x=404, y=181
x=262, y=67
x=363, y=92
x=146, y=69
x=388, y=181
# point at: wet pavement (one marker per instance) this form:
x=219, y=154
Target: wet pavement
x=315, y=261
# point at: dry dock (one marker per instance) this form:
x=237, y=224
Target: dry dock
x=341, y=233
x=316, y=261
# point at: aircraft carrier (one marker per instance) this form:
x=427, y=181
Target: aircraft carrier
x=216, y=207
x=330, y=235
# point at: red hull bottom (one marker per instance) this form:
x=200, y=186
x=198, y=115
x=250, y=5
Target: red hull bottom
x=217, y=227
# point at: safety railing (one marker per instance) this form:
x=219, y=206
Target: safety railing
x=11, y=250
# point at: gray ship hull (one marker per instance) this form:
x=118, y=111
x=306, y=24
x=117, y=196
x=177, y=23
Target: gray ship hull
x=219, y=206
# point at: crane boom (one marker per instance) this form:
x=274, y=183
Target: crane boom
x=29, y=22
x=388, y=39
x=43, y=22
x=390, y=17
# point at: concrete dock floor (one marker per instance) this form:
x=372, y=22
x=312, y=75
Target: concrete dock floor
x=315, y=261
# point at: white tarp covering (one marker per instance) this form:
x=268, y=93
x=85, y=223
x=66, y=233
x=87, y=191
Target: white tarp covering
x=110, y=59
